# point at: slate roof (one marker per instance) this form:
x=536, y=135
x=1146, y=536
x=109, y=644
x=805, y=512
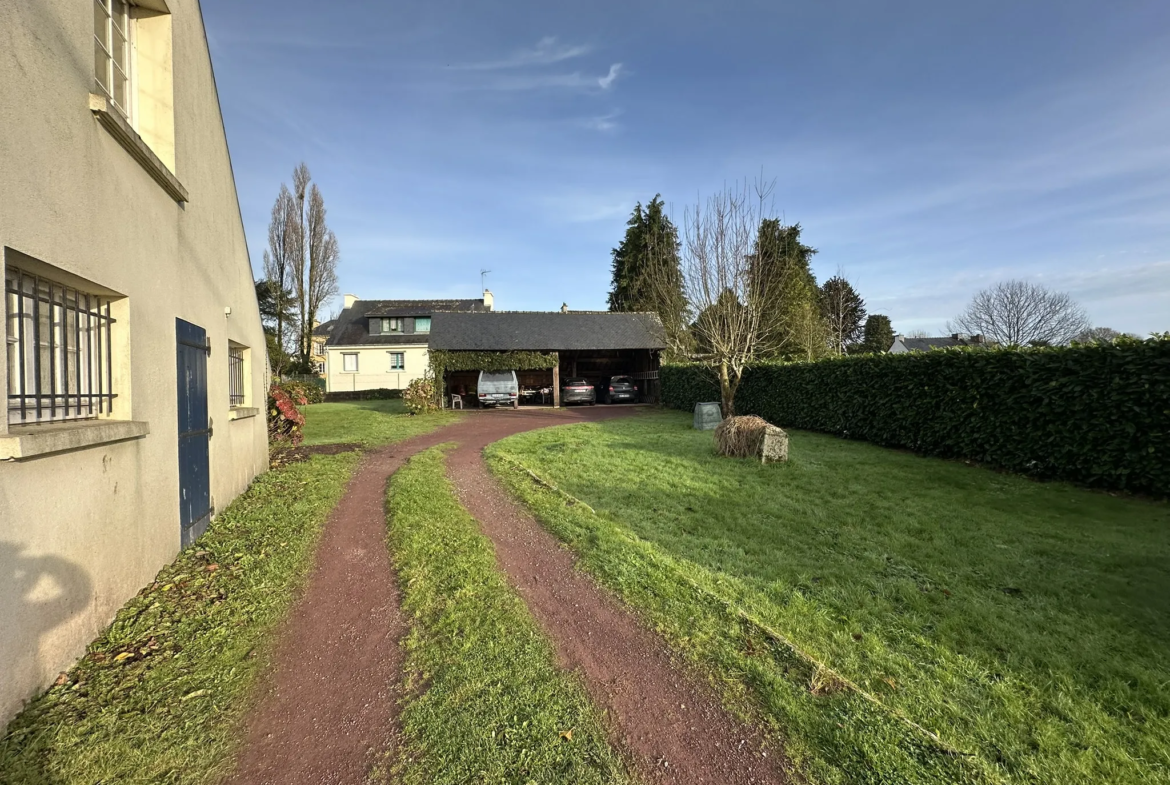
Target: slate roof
x=942, y=342
x=545, y=331
x=324, y=328
x=353, y=329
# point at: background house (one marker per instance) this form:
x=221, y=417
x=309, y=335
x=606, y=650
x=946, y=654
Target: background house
x=902, y=344
x=321, y=333
x=135, y=361
x=380, y=344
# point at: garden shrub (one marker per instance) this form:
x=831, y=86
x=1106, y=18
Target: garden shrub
x=312, y=393
x=1096, y=414
x=419, y=396
x=286, y=424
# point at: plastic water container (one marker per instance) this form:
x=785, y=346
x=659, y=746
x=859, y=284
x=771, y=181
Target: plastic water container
x=707, y=416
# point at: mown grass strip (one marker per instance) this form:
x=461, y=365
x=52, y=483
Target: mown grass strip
x=487, y=703
x=160, y=695
x=369, y=423
x=1016, y=620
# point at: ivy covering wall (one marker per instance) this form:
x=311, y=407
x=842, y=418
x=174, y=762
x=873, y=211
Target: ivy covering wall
x=443, y=361
x=1095, y=414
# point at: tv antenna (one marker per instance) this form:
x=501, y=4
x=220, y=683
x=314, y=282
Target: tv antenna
x=483, y=274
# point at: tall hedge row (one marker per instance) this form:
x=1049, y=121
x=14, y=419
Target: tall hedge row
x=1095, y=414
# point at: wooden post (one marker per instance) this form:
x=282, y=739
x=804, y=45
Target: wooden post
x=557, y=381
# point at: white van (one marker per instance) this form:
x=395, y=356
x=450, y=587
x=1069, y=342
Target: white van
x=498, y=388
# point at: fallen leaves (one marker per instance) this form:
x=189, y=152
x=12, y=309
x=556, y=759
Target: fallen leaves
x=567, y=735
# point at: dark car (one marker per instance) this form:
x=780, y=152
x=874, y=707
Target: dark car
x=619, y=389
x=578, y=391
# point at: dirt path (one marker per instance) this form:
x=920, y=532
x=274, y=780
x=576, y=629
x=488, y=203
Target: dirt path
x=326, y=707
x=328, y=704
x=673, y=725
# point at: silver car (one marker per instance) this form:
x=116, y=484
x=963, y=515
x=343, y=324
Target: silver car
x=498, y=388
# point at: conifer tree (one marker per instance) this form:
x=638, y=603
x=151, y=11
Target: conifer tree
x=793, y=319
x=878, y=335
x=646, y=274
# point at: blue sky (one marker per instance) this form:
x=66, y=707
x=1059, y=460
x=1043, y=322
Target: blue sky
x=928, y=149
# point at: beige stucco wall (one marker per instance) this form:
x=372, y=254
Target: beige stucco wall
x=82, y=531
x=373, y=367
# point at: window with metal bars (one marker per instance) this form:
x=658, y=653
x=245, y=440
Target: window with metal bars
x=112, y=54
x=60, y=362
x=236, y=387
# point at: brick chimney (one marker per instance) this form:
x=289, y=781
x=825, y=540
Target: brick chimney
x=564, y=307
x=350, y=299
x=489, y=300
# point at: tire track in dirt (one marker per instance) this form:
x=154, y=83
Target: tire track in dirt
x=328, y=705
x=671, y=724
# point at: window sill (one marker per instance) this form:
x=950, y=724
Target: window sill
x=243, y=412
x=31, y=441
x=138, y=149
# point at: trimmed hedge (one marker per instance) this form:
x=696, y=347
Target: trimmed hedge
x=378, y=394
x=1094, y=414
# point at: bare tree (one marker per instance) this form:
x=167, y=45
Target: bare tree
x=283, y=247
x=1018, y=313
x=1100, y=335
x=724, y=294
x=321, y=278
x=315, y=257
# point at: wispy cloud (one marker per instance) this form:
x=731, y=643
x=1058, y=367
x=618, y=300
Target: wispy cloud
x=609, y=78
x=547, y=51
x=604, y=123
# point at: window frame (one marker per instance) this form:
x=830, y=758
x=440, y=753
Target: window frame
x=105, y=83
x=422, y=319
x=401, y=359
x=41, y=367
x=345, y=362
x=237, y=372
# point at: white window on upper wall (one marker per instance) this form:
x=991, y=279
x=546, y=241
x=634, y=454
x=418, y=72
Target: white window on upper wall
x=349, y=362
x=59, y=355
x=397, y=361
x=113, y=54
x=422, y=324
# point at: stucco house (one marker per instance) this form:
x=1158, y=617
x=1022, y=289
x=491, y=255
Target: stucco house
x=321, y=333
x=134, y=354
x=382, y=344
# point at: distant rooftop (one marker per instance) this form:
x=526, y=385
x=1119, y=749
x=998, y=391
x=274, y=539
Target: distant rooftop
x=546, y=331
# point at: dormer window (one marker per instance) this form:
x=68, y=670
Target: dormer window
x=383, y=326
x=422, y=324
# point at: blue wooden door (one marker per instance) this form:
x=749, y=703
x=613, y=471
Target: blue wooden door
x=194, y=431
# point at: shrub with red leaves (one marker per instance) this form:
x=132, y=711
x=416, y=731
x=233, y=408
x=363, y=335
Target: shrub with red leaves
x=286, y=424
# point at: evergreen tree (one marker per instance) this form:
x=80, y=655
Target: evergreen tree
x=844, y=313
x=878, y=335
x=646, y=274
x=781, y=268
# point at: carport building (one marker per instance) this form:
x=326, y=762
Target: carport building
x=546, y=347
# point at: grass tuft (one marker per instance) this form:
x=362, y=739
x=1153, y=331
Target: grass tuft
x=487, y=702
x=1023, y=623
x=160, y=695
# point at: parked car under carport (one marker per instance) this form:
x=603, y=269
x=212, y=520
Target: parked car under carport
x=619, y=389
x=578, y=390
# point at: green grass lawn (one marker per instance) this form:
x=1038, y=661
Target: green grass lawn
x=486, y=704
x=369, y=423
x=160, y=695
x=1027, y=624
